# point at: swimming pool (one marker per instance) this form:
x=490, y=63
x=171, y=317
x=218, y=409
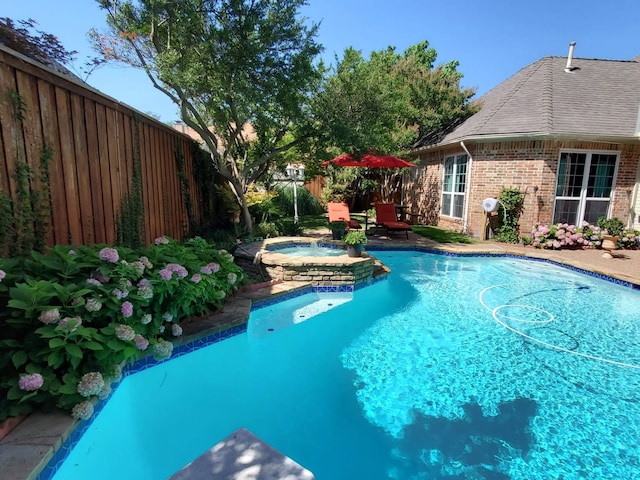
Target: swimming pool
x=424, y=375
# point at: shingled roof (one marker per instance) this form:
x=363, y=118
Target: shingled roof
x=598, y=99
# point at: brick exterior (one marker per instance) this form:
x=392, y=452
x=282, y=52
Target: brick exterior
x=529, y=165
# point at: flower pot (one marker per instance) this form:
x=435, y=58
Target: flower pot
x=355, y=250
x=609, y=243
x=337, y=234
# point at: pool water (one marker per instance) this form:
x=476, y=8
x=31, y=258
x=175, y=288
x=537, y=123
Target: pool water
x=310, y=251
x=453, y=368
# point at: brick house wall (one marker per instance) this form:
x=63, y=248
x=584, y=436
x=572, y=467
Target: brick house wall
x=528, y=165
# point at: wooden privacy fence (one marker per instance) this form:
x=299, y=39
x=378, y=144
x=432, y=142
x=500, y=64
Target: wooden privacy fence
x=104, y=153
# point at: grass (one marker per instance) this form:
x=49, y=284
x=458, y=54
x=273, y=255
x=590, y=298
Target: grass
x=313, y=222
x=441, y=235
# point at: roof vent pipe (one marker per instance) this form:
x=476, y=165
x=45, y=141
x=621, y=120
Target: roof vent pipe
x=569, y=67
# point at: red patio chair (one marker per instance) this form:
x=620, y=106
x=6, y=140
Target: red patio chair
x=339, y=211
x=386, y=218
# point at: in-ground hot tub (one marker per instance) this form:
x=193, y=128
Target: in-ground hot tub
x=304, y=249
x=331, y=268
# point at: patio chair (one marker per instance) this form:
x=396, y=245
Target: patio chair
x=386, y=218
x=339, y=211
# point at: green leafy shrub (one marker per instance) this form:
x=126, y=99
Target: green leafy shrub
x=307, y=203
x=613, y=226
x=289, y=228
x=355, y=237
x=511, y=202
x=268, y=230
x=71, y=318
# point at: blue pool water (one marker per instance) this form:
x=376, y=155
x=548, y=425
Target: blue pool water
x=299, y=250
x=453, y=368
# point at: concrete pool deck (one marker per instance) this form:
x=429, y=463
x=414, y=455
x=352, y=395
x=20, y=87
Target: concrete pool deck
x=28, y=448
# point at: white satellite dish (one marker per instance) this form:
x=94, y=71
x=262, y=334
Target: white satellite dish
x=490, y=205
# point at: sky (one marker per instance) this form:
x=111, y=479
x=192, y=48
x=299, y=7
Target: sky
x=491, y=39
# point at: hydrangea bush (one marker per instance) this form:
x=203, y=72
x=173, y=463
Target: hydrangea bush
x=71, y=318
x=564, y=235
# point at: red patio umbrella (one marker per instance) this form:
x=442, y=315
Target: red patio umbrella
x=369, y=161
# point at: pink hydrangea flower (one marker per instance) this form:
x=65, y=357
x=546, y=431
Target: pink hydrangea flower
x=176, y=330
x=166, y=274
x=177, y=269
x=127, y=309
x=105, y=392
x=196, y=278
x=3, y=274
x=141, y=342
x=145, y=261
x=120, y=294
x=82, y=410
x=163, y=240
x=109, y=255
x=125, y=333
x=70, y=322
x=162, y=349
x=93, y=305
x=90, y=384
x=30, y=383
x=50, y=316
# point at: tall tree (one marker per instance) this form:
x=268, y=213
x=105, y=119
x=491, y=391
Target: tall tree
x=241, y=72
x=385, y=103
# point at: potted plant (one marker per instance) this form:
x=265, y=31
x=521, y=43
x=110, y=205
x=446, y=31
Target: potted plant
x=611, y=231
x=355, y=240
x=338, y=229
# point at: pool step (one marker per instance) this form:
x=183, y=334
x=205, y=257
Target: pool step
x=295, y=311
x=242, y=455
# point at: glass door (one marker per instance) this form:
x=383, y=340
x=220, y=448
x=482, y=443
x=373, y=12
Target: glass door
x=584, y=186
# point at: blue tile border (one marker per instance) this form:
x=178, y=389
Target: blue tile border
x=74, y=437
x=63, y=452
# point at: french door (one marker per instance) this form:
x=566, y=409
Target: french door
x=584, y=186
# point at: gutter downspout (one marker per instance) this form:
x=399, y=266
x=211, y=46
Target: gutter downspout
x=467, y=189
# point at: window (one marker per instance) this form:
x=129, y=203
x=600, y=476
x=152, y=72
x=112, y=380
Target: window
x=453, y=186
x=584, y=186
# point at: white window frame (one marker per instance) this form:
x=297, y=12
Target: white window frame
x=457, y=162
x=583, y=199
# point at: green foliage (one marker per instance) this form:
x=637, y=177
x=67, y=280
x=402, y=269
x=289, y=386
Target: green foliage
x=613, y=226
x=268, y=230
x=511, y=203
x=226, y=64
x=388, y=101
x=289, y=228
x=25, y=218
x=307, y=203
x=91, y=309
x=184, y=188
x=441, y=235
x=338, y=225
x=355, y=237
x=41, y=201
x=130, y=221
